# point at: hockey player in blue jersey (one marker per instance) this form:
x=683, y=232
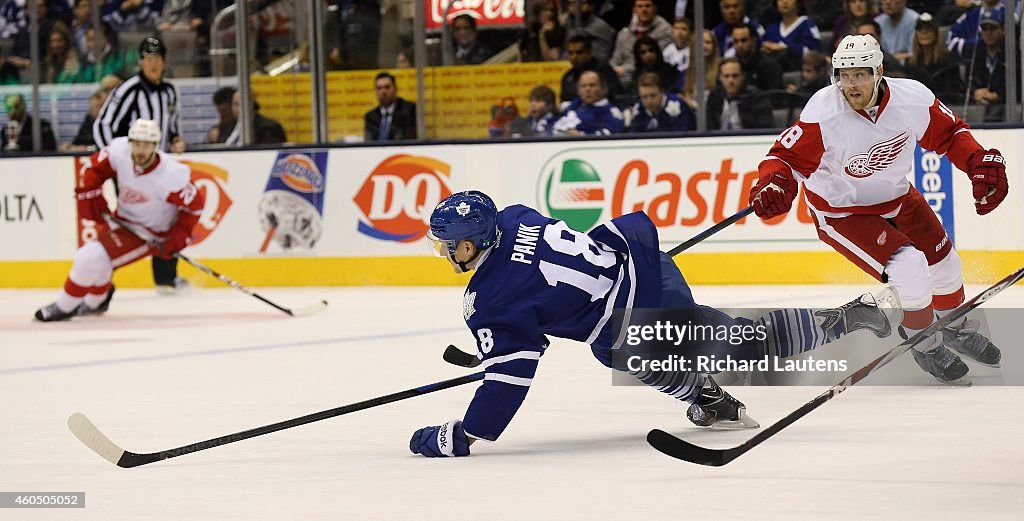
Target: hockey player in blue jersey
x=534, y=277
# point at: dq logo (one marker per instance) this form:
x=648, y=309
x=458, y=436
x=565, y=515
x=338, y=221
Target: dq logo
x=398, y=196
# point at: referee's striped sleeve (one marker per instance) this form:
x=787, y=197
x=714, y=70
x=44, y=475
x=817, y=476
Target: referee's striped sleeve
x=119, y=106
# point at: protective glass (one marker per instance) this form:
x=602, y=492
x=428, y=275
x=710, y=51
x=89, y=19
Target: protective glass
x=439, y=247
x=853, y=77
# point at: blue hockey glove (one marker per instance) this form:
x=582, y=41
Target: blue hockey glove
x=440, y=441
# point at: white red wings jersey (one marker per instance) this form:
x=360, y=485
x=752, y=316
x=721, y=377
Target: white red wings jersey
x=856, y=162
x=152, y=198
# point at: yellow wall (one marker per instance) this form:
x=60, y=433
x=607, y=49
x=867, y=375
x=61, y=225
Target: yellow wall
x=459, y=99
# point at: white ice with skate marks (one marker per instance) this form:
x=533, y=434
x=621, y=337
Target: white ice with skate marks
x=159, y=372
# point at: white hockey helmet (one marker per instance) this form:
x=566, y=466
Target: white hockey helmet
x=145, y=130
x=857, y=50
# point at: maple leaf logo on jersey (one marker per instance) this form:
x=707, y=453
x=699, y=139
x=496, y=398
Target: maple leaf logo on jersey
x=467, y=305
x=879, y=157
x=129, y=196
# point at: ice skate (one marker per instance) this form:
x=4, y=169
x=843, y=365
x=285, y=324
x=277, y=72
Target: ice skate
x=966, y=340
x=52, y=313
x=717, y=409
x=863, y=312
x=86, y=311
x=945, y=366
x=180, y=286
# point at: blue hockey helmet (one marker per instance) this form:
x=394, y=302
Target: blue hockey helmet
x=470, y=216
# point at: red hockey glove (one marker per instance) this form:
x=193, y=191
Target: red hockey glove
x=773, y=195
x=176, y=240
x=92, y=206
x=987, y=170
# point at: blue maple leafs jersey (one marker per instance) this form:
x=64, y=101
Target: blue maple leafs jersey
x=543, y=278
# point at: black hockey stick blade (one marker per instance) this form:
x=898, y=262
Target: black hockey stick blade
x=95, y=440
x=680, y=449
x=456, y=356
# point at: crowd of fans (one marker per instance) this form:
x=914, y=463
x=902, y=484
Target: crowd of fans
x=630, y=61
x=762, y=57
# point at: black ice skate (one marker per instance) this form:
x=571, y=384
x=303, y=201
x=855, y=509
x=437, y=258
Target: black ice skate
x=86, y=311
x=945, y=366
x=717, y=409
x=862, y=313
x=966, y=340
x=52, y=313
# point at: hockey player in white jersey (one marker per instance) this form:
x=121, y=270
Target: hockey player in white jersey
x=156, y=194
x=852, y=148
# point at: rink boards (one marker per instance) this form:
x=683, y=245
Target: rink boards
x=356, y=215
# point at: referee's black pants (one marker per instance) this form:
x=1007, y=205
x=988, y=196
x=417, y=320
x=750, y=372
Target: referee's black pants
x=165, y=271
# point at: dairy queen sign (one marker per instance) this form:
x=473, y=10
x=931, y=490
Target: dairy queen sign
x=493, y=13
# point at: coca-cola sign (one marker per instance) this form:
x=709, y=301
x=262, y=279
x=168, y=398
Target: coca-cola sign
x=486, y=12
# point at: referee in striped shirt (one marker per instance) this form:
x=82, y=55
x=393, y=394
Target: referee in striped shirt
x=146, y=95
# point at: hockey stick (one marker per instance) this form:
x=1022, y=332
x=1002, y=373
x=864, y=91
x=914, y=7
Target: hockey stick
x=155, y=242
x=684, y=450
x=87, y=433
x=454, y=355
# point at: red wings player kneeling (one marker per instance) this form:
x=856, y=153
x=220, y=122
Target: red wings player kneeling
x=853, y=148
x=155, y=193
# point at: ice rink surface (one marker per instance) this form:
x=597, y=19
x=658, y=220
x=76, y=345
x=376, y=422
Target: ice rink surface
x=159, y=372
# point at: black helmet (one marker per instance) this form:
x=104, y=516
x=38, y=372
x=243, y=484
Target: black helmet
x=152, y=45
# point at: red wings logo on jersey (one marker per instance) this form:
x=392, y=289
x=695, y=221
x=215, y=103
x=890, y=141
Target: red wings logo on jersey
x=879, y=157
x=129, y=196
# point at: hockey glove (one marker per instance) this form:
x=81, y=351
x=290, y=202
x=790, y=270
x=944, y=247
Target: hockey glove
x=175, y=241
x=92, y=206
x=440, y=441
x=987, y=170
x=773, y=195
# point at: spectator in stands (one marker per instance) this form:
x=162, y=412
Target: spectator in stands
x=582, y=59
x=468, y=50
x=542, y=116
x=677, y=9
x=176, y=15
x=734, y=104
x=788, y=40
x=405, y=59
x=646, y=22
x=12, y=18
x=60, y=62
x=132, y=15
x=933, y=65
x=543, y=39
x=711, y=60
x=504, y=112
x=734, y=14
x=591, y=113
x=648, y=58
x=353, y=33
x=9, y=74
x=81, y=20
x=112, y=59
x=988, y=83
x=601, y=35
x=17, y=133
x=110, y=82
x=658, y=111
x=897, y=25
x=394, y=117
x=83, y=140
x=813, y=75
x=265, y=131
x=853, y=11
x=892, y=66
x=824, y=13
x=759, y=69
x=223, y=101
x=22, y=41
x=677, y=53
x=963, y=35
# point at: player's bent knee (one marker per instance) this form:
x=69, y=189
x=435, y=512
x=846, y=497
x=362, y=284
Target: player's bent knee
x=91, y=263
x=908, y=272
x=947, y=274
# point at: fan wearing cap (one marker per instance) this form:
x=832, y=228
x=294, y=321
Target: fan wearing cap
x=932, y=64
x=148, y=96
x=156, y=194
x=988, y=76
x=963, y=34
x=852, y=149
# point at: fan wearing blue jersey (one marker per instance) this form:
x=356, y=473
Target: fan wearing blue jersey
x=792, y=37
x=534, y=277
